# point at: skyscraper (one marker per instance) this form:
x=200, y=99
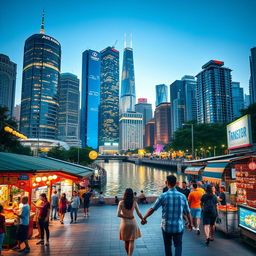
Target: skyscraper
x=237, y=99
x=131, y=131
x=109, y=99
x=128, y=93
x=7, y=83
x=246, y=100
x=90, y=98
x=214, y=93
x=252, y=84
x=16, y=114
x=161, y=94
x=69, y=102
x=150, y=133
x=162, y=124
x=40, y=81
x=178, y=112
x=190, y=97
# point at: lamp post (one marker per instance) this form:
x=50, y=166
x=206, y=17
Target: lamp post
x=192, y=138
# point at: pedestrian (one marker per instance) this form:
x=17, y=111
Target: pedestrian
x=214, y=191
x=2, y=228
x=22, y=230
x=184, y=190
x=86, y=196
x=75, y=202
x=116, y=200
x=63, y=205
x=174, y=204
x=194, y=200
x=222, y=196
x=43, y=219
x=54, y=205
x=178, y=186
x=129, y=229
x=199, y=187
x=38, y=203
x=209, y=212
x=165, y=189
x=101, y=200
x=142, y=197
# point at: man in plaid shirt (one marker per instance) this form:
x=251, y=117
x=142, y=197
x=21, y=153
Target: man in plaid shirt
x=174, y=205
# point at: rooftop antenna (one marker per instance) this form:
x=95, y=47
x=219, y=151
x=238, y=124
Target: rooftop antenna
x=124, y=40
x=115, y=44
x=42, y=24
x=131, y=40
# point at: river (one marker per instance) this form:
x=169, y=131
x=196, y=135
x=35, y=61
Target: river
x=122, y=175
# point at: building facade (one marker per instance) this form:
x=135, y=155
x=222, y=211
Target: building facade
x=69, y=102
x=178, y=112
x=128, y=92
x=252, y=84
x=246, y=100
x=237, y=99
x=131, y=131
x=214, y=93
x=144, y=108
x=40, y=81
x=109, y=100
x=8, y=70
x=162, y=124
x=161, y=94
x=90, y=99
x=150, y=133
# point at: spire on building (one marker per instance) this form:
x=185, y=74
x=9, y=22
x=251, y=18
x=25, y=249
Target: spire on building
x=42, y=24
x=124, y=40
x=131, y=40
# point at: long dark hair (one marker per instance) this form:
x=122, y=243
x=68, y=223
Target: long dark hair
x=128, y=198
x=209, y=190
x=43, y=195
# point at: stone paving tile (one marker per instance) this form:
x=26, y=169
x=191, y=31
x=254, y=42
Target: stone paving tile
x=98, y=236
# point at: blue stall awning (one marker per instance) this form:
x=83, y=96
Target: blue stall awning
x=214, y=170
x=193, y=170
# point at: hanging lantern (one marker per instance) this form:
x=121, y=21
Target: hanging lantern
x=50, y=178
x=54, y=177
x=38, y=179
x=252, y=165
x=44, y=178
x=34, y=184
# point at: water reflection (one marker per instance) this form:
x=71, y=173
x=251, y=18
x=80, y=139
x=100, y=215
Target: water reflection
x=122, y=175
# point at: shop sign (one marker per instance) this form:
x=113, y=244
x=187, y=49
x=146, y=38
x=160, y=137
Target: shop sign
x=9, y=180
x=247, y=219
x=24, y=177
x=239, y=133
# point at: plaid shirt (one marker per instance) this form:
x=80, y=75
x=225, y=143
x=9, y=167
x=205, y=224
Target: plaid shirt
x=173, y=205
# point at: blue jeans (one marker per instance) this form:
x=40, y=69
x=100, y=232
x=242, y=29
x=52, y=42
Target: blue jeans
x=1, y=242
x=54, y=209
x=73, y=210
x=177, y=240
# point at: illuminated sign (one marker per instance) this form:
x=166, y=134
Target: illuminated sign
x=218, y=62
x=239, y=133
x=95, y=56
x=51, y=39
x=247, y=219
x=114, y=50
x=142, y=100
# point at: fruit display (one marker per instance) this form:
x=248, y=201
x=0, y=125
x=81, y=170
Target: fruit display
x=227, y=208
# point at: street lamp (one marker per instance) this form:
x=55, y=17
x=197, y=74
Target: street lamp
x=192, y=138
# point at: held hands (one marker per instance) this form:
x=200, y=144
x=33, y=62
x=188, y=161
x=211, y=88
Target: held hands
x=143, y=221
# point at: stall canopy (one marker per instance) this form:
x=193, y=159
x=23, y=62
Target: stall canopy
x=214, y=170
x=16, y=163
x=193, y=170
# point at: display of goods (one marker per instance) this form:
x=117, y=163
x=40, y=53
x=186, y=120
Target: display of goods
x=227, y=208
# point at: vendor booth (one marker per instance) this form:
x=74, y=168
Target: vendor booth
x=194, y=173
x=22, y=175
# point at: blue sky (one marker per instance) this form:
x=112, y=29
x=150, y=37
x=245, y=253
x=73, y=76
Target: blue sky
x=170, y=38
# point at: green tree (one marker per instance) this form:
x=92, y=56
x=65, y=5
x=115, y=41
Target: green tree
x=149, y=149
x=251, y=110
x=83, y=155
x=58, y=153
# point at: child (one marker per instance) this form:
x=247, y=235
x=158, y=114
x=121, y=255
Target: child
x=2, y=228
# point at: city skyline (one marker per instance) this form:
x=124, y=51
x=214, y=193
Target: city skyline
x=167, y=34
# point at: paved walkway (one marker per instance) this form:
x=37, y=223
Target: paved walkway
x=98, y=236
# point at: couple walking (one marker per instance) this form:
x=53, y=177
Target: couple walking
x=174, y=205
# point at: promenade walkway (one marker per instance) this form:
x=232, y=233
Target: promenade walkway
x=98, y=236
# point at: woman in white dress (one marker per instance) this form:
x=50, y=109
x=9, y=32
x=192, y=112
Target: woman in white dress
x=129, y=229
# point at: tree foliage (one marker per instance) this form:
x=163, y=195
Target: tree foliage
x=149, y=149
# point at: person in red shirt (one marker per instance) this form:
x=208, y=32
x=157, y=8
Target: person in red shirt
x=43, y=219
x=2, y=228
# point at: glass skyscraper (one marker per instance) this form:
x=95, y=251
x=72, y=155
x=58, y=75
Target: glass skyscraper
x=178, y=112
x=90, y=98
x=69, y=99
x=161, y=94
x=40, y=81
x=252, y=85
x=109, y=98
x=214, y=93
x=7, y=83
x=128, y=93
x=237, y=99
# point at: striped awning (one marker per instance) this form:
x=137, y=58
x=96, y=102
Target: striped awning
x=214, y=170
x=193, y=170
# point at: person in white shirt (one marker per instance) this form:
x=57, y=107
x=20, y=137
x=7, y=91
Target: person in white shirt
x=75, y=202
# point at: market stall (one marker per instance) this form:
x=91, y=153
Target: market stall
x=194, y=173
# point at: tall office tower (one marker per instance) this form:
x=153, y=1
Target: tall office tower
x=109, y=101
x=176, y=88
x=246, y=100
x=252, y=84
x=16, y=113
x=69, y=102
x=214, y=93
x=150, y=133
x=90, y=99
x=190, y=97
x=40, y=81
x=128, y=93
x=237, y=99
x=162, y=125
x=161, y=94
x=178, y=112
x=7, y=83
x=131, y=131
